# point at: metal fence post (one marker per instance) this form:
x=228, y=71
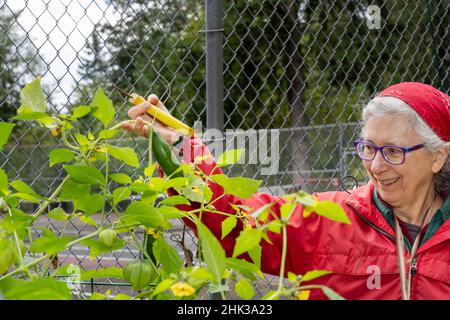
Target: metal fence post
x=214, y=64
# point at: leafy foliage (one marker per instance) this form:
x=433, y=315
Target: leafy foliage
x=160, y=272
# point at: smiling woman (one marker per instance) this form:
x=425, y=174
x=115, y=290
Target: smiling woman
x=397, y=245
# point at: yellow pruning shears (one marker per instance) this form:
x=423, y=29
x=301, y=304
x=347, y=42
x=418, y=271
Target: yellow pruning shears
x=157, y=113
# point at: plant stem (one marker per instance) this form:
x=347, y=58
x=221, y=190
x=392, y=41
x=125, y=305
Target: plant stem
x=144, y=252
x=33, y=263
x=52, y=197
x=105, y=190
x=19, y=251
x=66, y=142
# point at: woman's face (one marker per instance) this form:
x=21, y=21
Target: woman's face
x=398, y=185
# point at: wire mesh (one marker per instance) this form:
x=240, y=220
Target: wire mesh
x=303, y=68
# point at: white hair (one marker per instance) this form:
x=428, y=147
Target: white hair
x=382, y=106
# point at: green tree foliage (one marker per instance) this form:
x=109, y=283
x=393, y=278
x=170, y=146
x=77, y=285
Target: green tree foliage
x=17, y=62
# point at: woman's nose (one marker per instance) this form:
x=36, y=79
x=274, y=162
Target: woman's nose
x=379, y=164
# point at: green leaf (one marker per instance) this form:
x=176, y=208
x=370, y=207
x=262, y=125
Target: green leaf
x=57, y=214
x=244, y=289
x=292, y=277
x=148, y=171
x=80, y=111
x=172, y=212
x=72, y=190
x=107, y=133
x=247, y=269
x=88, y=220
x=17, y=221
x=262, y=212
x=331, y=294
x=213, y=253
x=196, y=192
x=311, y=275
x=275, y=226
x=199, y=275
x=230, y=157
x=22, y=187
x=120, y=194
x=175, y=182
x=175, y=200
x=31, y=116
x=103, y=108
x=38, y=289
x=49, y=243
x=272, y=294
x=82, y=139
x=97, y=248
x=85, y=174
x=139, y=186
x=168, y=256
x=332, y=211
x=126, y=155
x=3, y=183
x=162, y=286
x=121, y=178
x=122, y=296
x=25, y=196
x=255, y=254
x=32, y=98
x=5, y=132
x=240, y=187
x=304, y=198
x=227, y=225
x=60, y=155
x=286, y=209
x=246, y=240
x=90, y=204
x=8, y=254
x=144, y=213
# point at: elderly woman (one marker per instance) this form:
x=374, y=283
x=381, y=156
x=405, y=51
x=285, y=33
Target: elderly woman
x=398, y=243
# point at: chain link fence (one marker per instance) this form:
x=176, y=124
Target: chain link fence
x=301, y=68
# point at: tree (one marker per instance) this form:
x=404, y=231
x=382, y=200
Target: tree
x=18, y=63
x=286, y=63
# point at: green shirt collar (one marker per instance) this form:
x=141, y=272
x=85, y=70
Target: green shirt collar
x=436, y=222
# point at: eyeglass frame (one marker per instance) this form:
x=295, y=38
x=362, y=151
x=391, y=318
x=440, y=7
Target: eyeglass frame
x=377, y=148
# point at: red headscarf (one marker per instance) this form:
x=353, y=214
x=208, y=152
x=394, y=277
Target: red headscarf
x=430, y=103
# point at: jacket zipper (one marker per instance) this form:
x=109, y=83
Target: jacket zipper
x=414, y=266
x=370, y=223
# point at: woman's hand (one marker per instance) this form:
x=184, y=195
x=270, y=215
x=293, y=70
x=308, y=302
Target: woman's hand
x=139, y=113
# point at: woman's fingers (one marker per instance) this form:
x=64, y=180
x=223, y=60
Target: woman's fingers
x=139, y=113
x=139, y=110
x=154, y=100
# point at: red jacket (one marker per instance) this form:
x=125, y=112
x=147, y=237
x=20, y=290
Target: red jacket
x=362, y=255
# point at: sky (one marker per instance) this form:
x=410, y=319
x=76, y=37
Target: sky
x=59, y=29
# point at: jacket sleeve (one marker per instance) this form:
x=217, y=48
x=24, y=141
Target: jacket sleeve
x=271, y=253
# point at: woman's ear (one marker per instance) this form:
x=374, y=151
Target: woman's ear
x=439, y=159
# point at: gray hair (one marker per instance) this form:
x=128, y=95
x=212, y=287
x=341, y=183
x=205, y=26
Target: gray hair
x=382, y=106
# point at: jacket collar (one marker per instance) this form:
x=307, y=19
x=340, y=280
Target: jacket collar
x=361, y=199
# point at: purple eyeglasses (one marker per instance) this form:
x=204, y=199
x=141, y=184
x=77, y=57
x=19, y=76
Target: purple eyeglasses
x=392, y=154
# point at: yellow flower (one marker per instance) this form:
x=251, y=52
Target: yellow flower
x=247, y=225
x=55, y=131
x=182, y=289
x=153, y=233
x=195, y=189
x=302, y=295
